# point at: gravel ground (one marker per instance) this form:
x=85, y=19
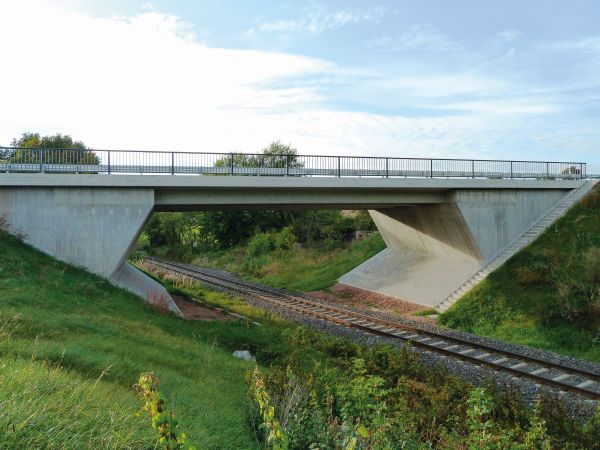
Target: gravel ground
x=580, y=407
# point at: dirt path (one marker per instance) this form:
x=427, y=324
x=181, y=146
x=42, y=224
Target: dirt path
x=348, y=295
x=192, y=310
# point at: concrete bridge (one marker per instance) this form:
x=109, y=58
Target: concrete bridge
x=439, y=231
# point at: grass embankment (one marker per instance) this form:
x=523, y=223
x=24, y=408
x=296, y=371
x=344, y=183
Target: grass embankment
x=72, y=326
x=547, y=295
x=303, y=268
x=72, y=346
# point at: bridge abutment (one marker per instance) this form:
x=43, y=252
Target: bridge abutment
x=92, y=228
x=432, y=249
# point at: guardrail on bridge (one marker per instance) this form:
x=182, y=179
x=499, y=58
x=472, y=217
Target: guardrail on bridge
x=50, y=160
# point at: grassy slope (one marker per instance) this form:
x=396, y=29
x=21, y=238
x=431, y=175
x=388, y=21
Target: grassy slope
x=511, y=304
x=87, y=326
x=305, y=269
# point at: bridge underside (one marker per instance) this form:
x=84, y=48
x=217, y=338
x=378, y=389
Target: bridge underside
x=438, y=232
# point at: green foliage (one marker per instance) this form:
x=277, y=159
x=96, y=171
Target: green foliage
x=276, y=438
x=591, y=264
x=384, y=399
x=277, y=155
x=34, y=140
x=548, y=294
x=45, y=405
x=263, y=243
x=481, y=426
x=162, y=419
x=308, y=267
x=86, y=325
x=260, y=244
x=59, y=142
x=323, y=390
x=284, y=239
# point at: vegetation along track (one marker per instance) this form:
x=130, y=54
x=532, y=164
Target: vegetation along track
x=561, y=377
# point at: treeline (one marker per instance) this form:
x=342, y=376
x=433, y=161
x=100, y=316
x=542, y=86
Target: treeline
x=265, y=230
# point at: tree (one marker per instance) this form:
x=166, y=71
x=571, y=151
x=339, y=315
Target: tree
x=62, y=150
x=276, y=155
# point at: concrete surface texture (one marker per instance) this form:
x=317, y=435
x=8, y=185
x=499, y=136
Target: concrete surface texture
x=433, y=249
x=130, y=278
x=92, y=228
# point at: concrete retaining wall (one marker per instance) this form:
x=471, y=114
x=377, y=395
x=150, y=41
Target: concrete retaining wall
x=92, y=228
x=433, y=249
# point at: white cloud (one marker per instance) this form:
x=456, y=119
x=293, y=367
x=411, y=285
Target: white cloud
x=511, y=106
x=508, y=35
x=445, y=85
x=590, y=44
x=131, y=81
x=414, y=37
x=319, y=21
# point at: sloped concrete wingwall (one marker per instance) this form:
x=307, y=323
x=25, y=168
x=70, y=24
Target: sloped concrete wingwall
x=433, y=249
x=496, y=218
x=86, y=227
x=93, y=228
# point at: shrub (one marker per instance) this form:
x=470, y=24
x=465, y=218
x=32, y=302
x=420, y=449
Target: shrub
x=260, y=244
x=284, y=239
x=163, y=420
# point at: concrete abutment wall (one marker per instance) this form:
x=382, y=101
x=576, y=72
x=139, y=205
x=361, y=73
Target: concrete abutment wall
x=432, y=249
x=92, y=228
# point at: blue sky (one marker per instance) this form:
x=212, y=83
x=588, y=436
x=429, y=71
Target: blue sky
x=430, y=78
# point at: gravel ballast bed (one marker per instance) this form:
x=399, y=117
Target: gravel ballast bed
x=580, y=407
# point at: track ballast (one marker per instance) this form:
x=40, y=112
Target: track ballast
x=564, y=378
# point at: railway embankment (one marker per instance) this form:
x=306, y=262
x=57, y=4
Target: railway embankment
x=73, y=345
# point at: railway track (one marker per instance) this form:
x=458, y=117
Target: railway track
x=564, y=378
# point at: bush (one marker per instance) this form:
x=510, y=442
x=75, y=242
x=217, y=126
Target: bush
x=260, y=244
x=284, y=239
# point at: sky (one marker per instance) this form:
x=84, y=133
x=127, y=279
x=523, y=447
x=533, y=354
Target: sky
x=459, y=79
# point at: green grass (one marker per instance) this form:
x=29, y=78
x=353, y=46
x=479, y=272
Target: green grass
x=543, y=296
x=305, y=269
x=45, y=406
x=75, y=326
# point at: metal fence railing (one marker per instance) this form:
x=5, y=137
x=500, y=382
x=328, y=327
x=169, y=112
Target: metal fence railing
x=47, y=160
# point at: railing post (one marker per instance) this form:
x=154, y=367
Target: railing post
x=172, y=163
x=473, y=168
x=41, y=160
x=339, y=166
x=547, y=170
x=287, y=165
x=231, y=165
x=582, y=175
x=109, y=162
x=387, y=167
x=511, y=170
x=431, y=167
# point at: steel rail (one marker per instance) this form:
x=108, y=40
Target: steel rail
x=374, y=325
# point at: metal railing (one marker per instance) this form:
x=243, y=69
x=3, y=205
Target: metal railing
x=46, y=160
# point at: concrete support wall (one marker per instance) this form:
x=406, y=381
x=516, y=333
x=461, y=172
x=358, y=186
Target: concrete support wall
x=496, y=218
x=93, y=228
x=433, y=249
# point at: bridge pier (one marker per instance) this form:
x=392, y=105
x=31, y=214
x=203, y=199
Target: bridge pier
x=432, y=249
x=92, y=228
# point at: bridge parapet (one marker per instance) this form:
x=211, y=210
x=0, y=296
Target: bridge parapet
x=91, y=161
